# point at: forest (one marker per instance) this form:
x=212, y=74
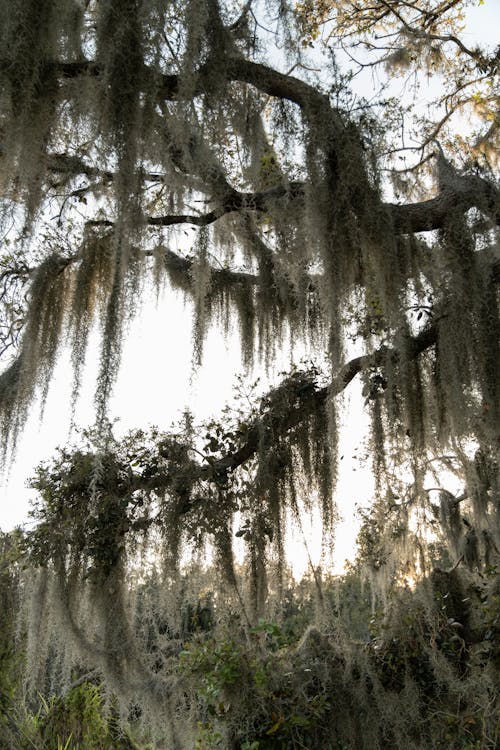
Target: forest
x=307, y=175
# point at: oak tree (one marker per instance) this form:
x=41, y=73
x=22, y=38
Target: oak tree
x=126, y=122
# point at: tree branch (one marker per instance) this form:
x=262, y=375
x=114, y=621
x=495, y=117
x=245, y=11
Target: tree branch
x=419, y=217
x=468, y=191
x=307, y=400
x=223, y=276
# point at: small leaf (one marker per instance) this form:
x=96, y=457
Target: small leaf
x=276, y=726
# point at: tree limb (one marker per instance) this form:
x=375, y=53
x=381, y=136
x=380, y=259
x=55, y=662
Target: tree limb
x=308, y=399
x=409, y=218
x=424, y=216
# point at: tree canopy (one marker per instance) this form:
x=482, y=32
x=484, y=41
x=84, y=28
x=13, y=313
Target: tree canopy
x=366, y=227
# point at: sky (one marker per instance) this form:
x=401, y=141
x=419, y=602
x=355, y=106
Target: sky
x=157, y=382
x=155, y=385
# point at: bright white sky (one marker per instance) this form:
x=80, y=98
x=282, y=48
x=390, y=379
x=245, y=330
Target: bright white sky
x=156, y=384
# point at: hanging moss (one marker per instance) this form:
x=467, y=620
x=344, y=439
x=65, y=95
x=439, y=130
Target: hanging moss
x=124, y=121
x=44, y=328
x=313, y=245
x=33, y=35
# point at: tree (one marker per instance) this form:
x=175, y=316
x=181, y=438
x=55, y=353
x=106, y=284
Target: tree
x=120, y=118
x=408, y=37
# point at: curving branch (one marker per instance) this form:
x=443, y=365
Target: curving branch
x=409, y=218
x=425, y=216
x=177, y=264
x=468, y=192
x=307, y=400
x=169, y=86
x=310, y=399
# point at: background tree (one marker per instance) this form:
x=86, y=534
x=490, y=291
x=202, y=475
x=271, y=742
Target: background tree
x=124, y=121
x=404, y=38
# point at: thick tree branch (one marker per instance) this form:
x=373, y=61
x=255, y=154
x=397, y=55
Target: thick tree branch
x=307, y=400
x=406, y=218
x=280, y=85
x=169, y=86
x=176, y=264
x=468, y=192
x=409, y=218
